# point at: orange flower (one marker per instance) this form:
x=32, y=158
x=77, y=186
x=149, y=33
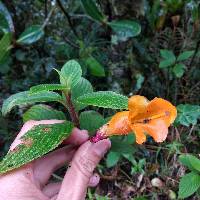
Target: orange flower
x=144, y=116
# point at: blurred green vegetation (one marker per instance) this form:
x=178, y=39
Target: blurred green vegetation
x=146, y=47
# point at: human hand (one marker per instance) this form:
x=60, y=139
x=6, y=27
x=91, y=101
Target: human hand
x=30, y=182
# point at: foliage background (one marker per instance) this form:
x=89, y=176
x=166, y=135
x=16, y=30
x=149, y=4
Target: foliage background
x=128, y=65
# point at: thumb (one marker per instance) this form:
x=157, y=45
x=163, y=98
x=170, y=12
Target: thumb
x=74, y=185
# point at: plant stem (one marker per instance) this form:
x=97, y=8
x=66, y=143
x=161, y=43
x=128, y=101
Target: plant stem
x=71, y=43
x=72, y=111
x=48, y=17
x=68, y=17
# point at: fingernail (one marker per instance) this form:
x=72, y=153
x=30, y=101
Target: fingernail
x=94, y=179
x=101, y=147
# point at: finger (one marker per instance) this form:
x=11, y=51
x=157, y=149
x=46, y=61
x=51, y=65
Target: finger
x=77, y=137
x=94, y=180
x=54, y=198
x=51, y=189
x=44, y=167
x=27, y=126
x=77, y=178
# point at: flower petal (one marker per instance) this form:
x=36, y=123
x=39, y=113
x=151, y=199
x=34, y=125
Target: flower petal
x=137, y=104
x=157, y=129
x=139, y=134
x=119, y=124
x=160, y=106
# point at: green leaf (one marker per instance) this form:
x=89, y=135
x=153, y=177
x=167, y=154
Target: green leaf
x=187, y=114
x=42, y=112
x=121, y=146
x=27, y=98
x=81, y=88
x=46, y=87
x=131, y=159
x=166, y=63
x=190, y=161
x=4, y=46
x=130, y=138
x=95, y=67
x=105, y=99
x=179, y=70
x=169, y=58
x=198, y=193
x=112, y=159
x=20, y=55
x=189, y=184
x=91, y=120
x=31, y=35
x=70, y=74
x=5, y=64
x=139, y=81
x=125, y=29
x=185, y=55
x=93, y=11
x=5, y=17
x=167, y=54
x=38, y=141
